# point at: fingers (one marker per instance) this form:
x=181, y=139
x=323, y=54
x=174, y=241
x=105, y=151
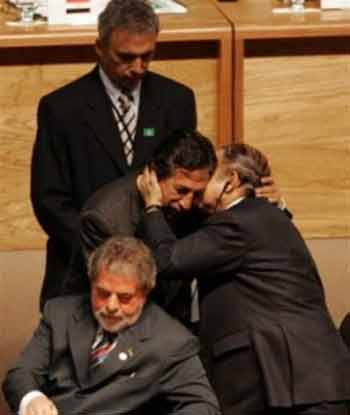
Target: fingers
x=148, y=186
x=267, y=180
x=41, y=405
x=269, y=190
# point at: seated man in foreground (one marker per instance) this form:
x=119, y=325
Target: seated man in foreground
x=111, y=352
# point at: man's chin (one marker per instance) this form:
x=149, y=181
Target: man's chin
x=130, y=84
x=113, y=327
x=111, y=324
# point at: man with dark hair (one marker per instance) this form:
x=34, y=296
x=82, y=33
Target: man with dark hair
x=270, y=344
x=183, y=163
x=100, y=127
x=102, y=354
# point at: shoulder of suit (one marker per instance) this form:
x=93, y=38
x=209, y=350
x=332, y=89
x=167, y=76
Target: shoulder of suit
x=113, y=193
x=64, y=305
x=174, y=334
x=74, y=90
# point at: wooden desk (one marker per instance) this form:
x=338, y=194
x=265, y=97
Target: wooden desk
x=291, y=98
x=194, y=48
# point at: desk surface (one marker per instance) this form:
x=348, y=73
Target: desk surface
x=202, y=22
x=255, y=19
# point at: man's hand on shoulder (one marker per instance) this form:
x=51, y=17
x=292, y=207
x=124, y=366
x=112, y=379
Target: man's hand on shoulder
x=270, y=191
x=40, y=405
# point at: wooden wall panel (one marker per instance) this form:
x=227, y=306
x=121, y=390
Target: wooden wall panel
x=21, y=88
x=297, y=111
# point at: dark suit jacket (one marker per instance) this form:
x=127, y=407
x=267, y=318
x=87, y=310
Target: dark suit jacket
x=117, y=209
x=162, y=367
x=259, y=291
x=78, y=149
x=344, y=329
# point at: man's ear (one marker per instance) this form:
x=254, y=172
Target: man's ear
x=98, y=48
x=232, y=182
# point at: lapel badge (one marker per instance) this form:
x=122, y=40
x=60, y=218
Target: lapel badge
x=149, y=132
x=123, y=356
x=130, y=352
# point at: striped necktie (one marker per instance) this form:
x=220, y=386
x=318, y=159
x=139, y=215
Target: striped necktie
x=104, y=343
x=126, y=118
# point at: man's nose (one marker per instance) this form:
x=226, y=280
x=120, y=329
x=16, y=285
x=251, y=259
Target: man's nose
x=112, y=304
x=186, y=201
x=138, y=66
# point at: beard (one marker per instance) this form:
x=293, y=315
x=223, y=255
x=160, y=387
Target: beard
x=114, y=323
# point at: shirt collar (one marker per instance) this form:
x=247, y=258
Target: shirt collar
x=114, y=91
x=235, y=202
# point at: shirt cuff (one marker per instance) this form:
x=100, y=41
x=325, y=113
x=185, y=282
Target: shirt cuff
x=26, y=399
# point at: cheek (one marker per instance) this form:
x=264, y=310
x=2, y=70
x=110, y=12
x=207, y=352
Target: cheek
x=132, y=308
x=210, y=194
x=97, y=302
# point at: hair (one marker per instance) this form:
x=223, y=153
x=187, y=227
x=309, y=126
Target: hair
x=249, y=163
x=135, y=16
x=119, y=254
x=189, y=150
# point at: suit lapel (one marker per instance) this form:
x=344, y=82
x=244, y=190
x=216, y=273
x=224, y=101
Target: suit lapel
x=82, y=331
x=147, y=134
x=100, y=118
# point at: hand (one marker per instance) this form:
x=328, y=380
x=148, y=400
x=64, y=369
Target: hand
x=148, y=186
x=41, y=405
x=269, y=190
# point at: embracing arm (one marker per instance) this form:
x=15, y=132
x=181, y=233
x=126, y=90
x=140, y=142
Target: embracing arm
x=218, y=243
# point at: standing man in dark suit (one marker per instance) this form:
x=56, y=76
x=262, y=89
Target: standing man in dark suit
x=101, y=127
x=272, y=347
x=113, y=353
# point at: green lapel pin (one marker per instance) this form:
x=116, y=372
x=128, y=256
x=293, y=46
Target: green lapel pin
x=148, y=132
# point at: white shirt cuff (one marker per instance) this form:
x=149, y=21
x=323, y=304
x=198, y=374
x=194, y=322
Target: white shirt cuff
x=26, y=399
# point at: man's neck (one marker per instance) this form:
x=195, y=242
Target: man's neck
x=232, y=198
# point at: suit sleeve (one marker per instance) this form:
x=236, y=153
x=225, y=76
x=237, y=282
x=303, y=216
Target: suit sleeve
x=218, y=243
x=31, y=370
x=184, y=384
x=112, y=210
x=51, y=185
